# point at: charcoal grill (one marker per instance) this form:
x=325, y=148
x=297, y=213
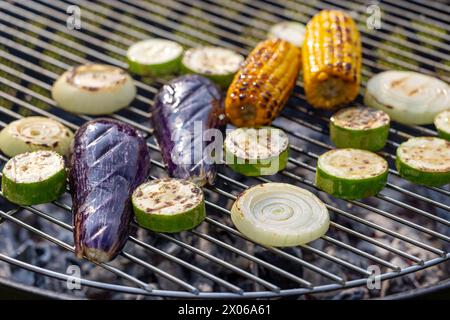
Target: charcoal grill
x=36, y=46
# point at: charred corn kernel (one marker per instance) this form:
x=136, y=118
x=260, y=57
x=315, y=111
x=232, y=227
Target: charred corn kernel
x=331, y=57
x=263, y=84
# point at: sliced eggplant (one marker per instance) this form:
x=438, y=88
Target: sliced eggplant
x=154, y=57
x=188, y=116
x=169, y=205
x=216, y=63
x=442, y=124
x=35, y=133
x=293, y=32
x=94, y=89
x=360, y=128
x=351, y=173
x=34, y=177
x=424, y=160
x=257, y=151
x=110, y=159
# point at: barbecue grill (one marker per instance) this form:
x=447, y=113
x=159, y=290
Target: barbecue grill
x=402, y=233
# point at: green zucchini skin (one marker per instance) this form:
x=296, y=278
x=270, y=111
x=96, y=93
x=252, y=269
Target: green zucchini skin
x=444, y=134
x=430, y=179
x=369, y=139
x=258, y=167
x=155, y=70
x=171, y=223
x=37, y=192
x=350, y=189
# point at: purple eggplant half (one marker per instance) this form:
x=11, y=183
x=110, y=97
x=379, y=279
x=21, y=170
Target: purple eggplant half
x=109, y=160
x=187, y=116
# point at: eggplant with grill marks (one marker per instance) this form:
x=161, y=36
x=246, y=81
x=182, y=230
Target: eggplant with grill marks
x=109, y=160
x=187, y=116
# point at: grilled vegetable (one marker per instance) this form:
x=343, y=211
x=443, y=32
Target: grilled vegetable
x=35, y=133
x=215, y=63
x=169, y=205
x=351, y=173
x=94, y=89
x=424, y=160
x=186, y=111
x=293, y=32
x=262, y=86
x=408, y=97
x=34, y=177
x=256, y=152
x=154, y=57
x=360, y=128
x=280, y=214
x=331, y=57
x=109, y=161
x=442, y=124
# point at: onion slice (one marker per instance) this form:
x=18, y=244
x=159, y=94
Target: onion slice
x=94, y=89
x=408, y=97
x=35, y=133
x=293, y=32
x=280, y=214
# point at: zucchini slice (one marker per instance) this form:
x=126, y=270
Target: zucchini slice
x=290, y=31
x=154, y=57
x=94, y=89
x=424, y=160
x=442, y=124
x=408, y=97
x=216, y=63
x=360, y=128
x=35, y=133
x=169, y=205
x=351, y=173
x=257, y=151
x=34, y=177
x=280, y=214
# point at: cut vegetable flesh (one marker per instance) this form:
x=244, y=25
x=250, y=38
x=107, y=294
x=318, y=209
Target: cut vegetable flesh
x=34, y=177
x=35, y=133
x=257, y=151
x=361, y=128
x=408, y=97
x=154, y=57
x=168, y=205
x=425, y=160
x=351, y=173
x=293, y=32
x=442, y=123
x=218, y=64
x=280, y=214
x=96, y=77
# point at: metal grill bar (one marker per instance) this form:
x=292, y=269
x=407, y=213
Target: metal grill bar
x=203, y=33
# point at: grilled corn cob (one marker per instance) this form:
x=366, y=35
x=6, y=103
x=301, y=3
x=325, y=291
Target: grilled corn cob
x=331, y=57
x=263, y=84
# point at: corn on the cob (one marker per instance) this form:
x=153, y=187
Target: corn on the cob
x=263, y=84
x=331, y=57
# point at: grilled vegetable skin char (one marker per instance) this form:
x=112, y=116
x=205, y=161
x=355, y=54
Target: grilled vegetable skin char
x=181, y=105
x=108, y=162
x=331, y=57
x=262, y=86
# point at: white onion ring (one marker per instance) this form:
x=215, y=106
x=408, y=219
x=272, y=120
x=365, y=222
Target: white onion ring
x=280, y=214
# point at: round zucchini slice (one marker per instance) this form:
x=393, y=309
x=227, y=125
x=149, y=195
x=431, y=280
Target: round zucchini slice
x=442, y=124
x=216, y=63
x=154, y=57
x=34, y=177
x=360, y=128
x=257, y=151
x=35, y=133
x=425, y=161
x=290, y=31
x=169, y=205
x=94, y=89
x=351, y=173
x=280, y=214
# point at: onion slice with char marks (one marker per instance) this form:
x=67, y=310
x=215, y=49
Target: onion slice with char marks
x=442, y=124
